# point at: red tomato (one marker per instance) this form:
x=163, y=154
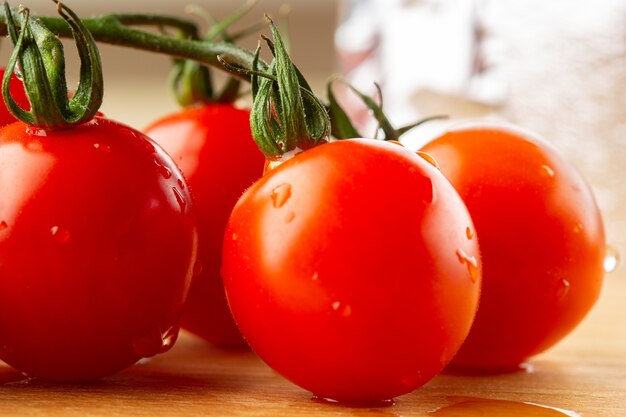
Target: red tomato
x=541, y=238
x=349, y=270
x=213, y=146
x=97, y=246
x=19, y=95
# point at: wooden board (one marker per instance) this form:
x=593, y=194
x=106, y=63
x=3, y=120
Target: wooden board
x=585, y=374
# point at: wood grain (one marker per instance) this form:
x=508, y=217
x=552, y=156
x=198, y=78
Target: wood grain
x=585, y=374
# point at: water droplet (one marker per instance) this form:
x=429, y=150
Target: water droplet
x=3, y=226
x=60, y=234
x=155, y=341
x=179, y=198
x=34, y=145
x=235, y=236
x=562, y=289
x=344, y=309
x=612, y=259
x=102, y=147
x=181, y=184
x=315, y=276
x=197, y=268
x=36, y=132
x=280, y=195
x=488, y=407
x=546, y=170
x=429, y=158
x=168, y=338
x=469, y=233
x=165, y=171
x=290, y=216
x=578, y=228
x=470, y=261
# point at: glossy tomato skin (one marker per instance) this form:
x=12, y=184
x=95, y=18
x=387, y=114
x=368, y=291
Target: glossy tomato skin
x=16, y=89
x=97, y=245
x=541, y=237
x=342, y=270
x=213, y=146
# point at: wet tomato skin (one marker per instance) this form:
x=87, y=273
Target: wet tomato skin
x=213, y=146
x=342, y=270
x=97, y=246
x=541, y=238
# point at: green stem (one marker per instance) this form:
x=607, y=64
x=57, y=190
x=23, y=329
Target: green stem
x=113, y=29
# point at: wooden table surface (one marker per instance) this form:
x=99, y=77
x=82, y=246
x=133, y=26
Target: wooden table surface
x=584, y=375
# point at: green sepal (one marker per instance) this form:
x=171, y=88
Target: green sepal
x=342, y=127
x=402, y=130
x=39, y=54
x=286, y=115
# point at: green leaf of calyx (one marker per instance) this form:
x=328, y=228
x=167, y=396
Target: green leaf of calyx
x=286, y=115
x=342, y=127
x=39, y=54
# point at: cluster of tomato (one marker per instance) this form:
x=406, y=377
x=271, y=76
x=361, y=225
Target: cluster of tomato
x=357, y=269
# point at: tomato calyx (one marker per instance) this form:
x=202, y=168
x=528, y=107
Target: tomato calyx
x=342, y=127
x=285, y=115
x=39, y=55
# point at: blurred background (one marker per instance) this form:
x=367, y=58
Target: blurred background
x=557, y=68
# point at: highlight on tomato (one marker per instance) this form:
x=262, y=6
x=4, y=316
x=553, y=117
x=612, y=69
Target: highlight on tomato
x=98, y=237
x=541, y=237
x=351, y=268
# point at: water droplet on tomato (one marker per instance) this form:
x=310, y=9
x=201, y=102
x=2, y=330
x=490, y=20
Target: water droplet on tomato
x=3, y=226
x=612, y=259
x=235, y=236
x=102, y=147
x=470, y=261
x=546, y=170
x=578, y=228
x=428, y=158
x=290, y=216
x=34, y=145
x=345, y=310
x=179, y=198
x=469, y=233
x=155, y=341
x=181, y=184
x=165, y=171
x=280, y=195
x=168, y=338
x=36, y=132
x=562, y=289
x=197, y=268
x=60, y=234
x=315, y=276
